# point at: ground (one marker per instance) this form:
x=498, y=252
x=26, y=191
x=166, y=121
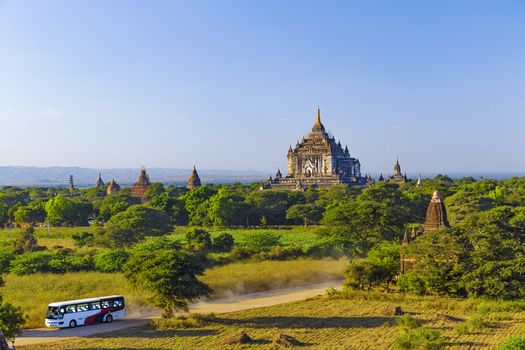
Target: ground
x=357, y=322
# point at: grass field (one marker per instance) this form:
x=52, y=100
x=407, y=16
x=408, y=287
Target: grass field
x=34, y=292
x=359, y=322
x=49, y=238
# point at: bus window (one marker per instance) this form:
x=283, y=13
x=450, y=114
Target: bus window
x=82, y=307
x=94, y=306
x=70, y=309
x=106, y=304
x=52, y=313
x=118, y=304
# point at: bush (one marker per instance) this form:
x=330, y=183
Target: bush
x=52, y=262
x=407, y=322
x=198, y=239
x=513, y=343
x=83, y=238
x=25, y=242
x=420, y=338
x=223, y=242
x=111, y=260
x=6, y=256
x=11, y=320
x=411, y=282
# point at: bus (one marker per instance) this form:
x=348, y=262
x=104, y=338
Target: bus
x=83, y=312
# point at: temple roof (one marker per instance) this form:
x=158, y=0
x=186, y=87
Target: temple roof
x=99, y=182
x=113, y=187
x=143, y=178
x=397, y=167
x=318, y=126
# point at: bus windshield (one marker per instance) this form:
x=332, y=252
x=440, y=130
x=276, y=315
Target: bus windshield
x=52, y=312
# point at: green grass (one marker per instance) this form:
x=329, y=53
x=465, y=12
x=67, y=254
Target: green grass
x=54, y=236
x=34, y=292
x=357, y=322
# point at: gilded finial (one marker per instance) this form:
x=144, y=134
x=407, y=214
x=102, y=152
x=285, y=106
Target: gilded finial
x=318, y=120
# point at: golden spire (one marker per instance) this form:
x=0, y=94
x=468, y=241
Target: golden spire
x=318, y=120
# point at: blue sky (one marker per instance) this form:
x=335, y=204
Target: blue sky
x=230, y=84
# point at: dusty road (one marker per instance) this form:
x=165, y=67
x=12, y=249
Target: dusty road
x=237, y=303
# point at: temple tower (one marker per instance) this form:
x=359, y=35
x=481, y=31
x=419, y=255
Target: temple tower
x=397, y=177
x=436, y=214
x=194, y=180
x=99, y=182
x=113, y=187
x=140, y=187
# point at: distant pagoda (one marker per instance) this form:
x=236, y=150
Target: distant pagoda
x=194, y=179
x=113, y=187
x=99, y=182
x=397, y=177
x=318, y=161
x=140, y=187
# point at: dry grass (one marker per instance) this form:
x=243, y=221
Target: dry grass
x=321, y=323
x=34, y=292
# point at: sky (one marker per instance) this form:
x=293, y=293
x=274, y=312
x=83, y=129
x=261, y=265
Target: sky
x=231, y=84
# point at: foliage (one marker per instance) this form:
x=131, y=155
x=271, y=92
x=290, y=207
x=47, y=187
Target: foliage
x=223, y=242
x=260, y=240
x=26, y=242
x=11, y=319
x=66, y=211
x=513, y=343
x=198, y=239
x=307, y=213
x=47, y=261
x=167, y=273
x=111, y=260
x=133, y=224
x=420, y=338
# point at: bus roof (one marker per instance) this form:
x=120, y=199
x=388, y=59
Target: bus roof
x=81, y=301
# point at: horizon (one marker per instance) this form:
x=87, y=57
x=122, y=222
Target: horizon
x=229, y=86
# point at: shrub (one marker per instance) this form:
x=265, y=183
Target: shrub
x=53, y=262
x=198, y=239
x=513, y=343
x=420, y=338
x=223, y=242
x=411, y=282
x=111, y=260
x=407, y=322
x=25, y=242
x=6, y=256
x=83, y=238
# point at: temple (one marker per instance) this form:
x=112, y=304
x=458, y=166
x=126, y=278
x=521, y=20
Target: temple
x=140, y=187
x=113, y=187
x=318, y=161
x=436, y=214
x=99, y=182
x=436, y=219
x=194, y=180
x=397, y=177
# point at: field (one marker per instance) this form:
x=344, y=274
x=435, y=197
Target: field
x=60, y=236
x=34, y=292
x=356, y=322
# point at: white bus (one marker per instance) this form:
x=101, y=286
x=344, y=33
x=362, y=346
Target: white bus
x=82, y=312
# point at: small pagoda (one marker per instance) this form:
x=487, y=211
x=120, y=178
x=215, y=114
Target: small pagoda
x=194, y=180
x=140, y=187
x=436, y=214
x=113, y=187
x=99, y=182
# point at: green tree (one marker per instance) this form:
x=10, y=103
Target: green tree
x=26, y=241
x=226, y=208
x=269, y=206
x=198, y=239
x=223, y=242
x=114, y=204
x=307, y=213
x=30, y=214
x=167, y=274
x=66, y=211
x=133, y=224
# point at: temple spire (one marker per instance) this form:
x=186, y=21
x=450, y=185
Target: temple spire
x=318, y=120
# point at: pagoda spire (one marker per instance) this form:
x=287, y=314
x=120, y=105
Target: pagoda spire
x=318, y=120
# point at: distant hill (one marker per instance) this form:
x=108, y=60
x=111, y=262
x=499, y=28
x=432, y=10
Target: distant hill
x=85, y=177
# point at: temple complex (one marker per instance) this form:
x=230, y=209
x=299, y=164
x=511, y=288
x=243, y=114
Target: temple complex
x=99, y=182
x=140, y=187
x=318, y=161
x=113, y=187
x=194, y=179
x=397, y=177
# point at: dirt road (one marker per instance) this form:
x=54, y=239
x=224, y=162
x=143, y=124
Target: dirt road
x=237, y=303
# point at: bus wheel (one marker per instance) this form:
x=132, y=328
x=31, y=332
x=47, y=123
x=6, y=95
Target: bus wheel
x=72, y=324
x=109, y=318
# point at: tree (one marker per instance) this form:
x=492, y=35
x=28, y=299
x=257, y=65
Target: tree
x=114, y=204
x=167, y=274
x=198, y=239
x=66, y=211
x=133, y=224
x=26, y=242
x=30, y=214
x=11, y=317
x=269, y=206
x=226, y=208
x=308, y=213
x=223, y=242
